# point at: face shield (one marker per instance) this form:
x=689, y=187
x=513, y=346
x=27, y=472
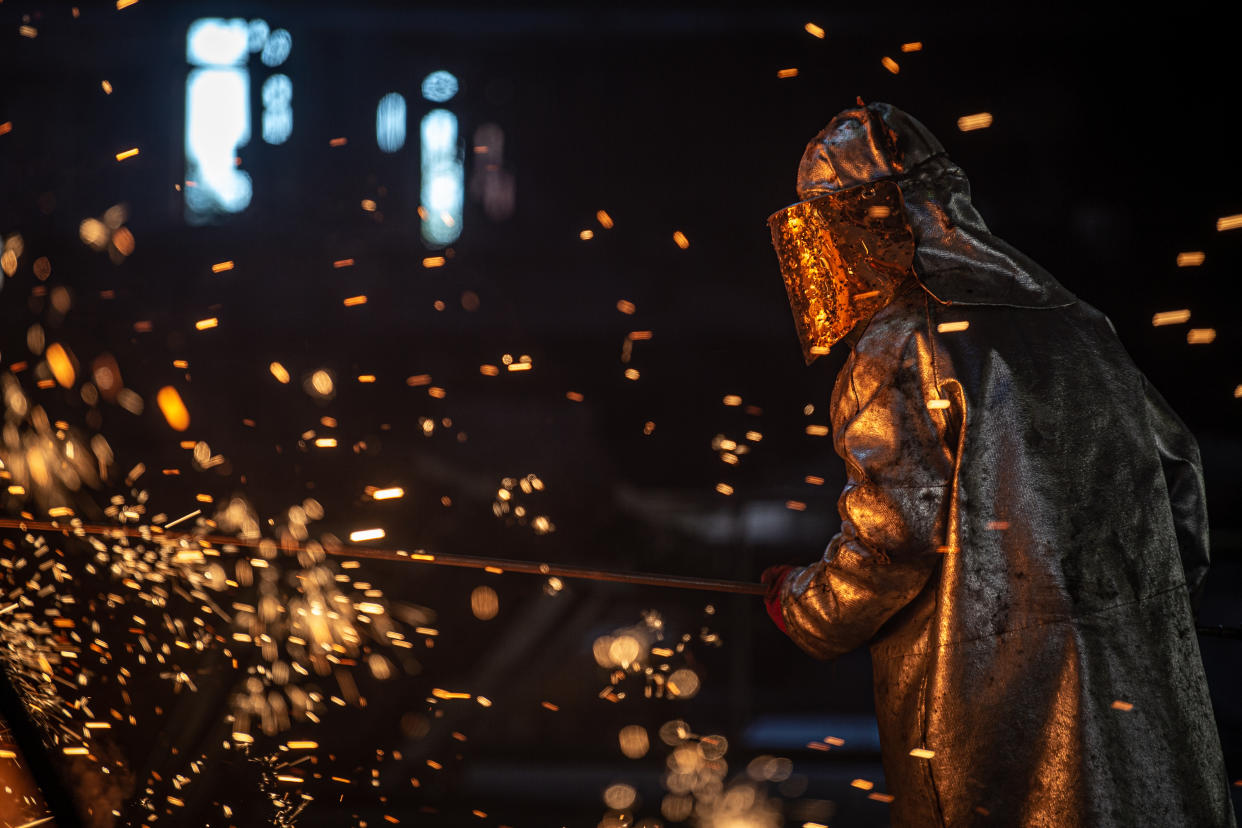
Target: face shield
x=842, y=256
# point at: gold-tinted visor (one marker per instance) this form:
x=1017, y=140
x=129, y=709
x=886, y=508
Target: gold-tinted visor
x=842, y=256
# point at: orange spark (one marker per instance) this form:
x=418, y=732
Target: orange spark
x=980, y=120
x=173, y=408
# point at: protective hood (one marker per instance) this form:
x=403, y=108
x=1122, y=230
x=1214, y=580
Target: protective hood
x=956, y=258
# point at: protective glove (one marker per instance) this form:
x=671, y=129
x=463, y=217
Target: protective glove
x=774, y=577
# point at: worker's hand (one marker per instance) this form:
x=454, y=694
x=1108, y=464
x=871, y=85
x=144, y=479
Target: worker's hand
x=774, y=578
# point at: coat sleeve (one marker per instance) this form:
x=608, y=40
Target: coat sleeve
x=900, y=457
x=1183, y=477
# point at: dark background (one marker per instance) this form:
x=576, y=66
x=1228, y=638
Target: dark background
x=1114, y=147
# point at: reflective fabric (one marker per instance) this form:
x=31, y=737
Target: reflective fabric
x=842, y=256
x=1022, y=528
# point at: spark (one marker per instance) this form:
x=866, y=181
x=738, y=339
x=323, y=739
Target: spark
x=1229, y=222
x=183, y=518
x=340, y=263
x=204, y=324
x=1175, y=317
x=862, y=784
x=817, y=430
x=787, y=73
x=279, y=372
x=732, y=400
x=574, y=396
x=43, y=821
x=913, y=46
x=220, y=267
x=325, y=442
x=679, y=238
x=366, y=535
x=355, y=300
x=124, y=4
x=448, y=695
x=625, y=306
x=6, y=127
x=814, y=31
x=418, y=379
x=890, y=64
x=604, y=219
x=951, y=327
x=922, y=753
x=338, y=142
x=388, y=494
x=724, y=488
x=107, y=87
x=433, y=261
x=586, y=235
x=631, y=373
x=937, y=405
x=795, y=505
x=1200, y=336
x=520, y=366
x=173, y=408
x=1190, y=258
x=814, y=480
x=129, y=153
x=61, y=362
x=366, y=379
x=980, y=120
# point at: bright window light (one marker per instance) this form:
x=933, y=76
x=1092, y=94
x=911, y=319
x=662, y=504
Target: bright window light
x=442, y=181
x=277, y=109
x=214, y=41
x=217, y=123
x=277, y=47
x=258, y=32
x=439, y=86
x=390, y=122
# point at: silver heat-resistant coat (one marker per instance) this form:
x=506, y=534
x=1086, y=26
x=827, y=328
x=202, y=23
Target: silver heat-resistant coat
x=1023, y=529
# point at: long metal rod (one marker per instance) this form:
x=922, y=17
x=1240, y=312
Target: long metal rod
x=467, y=561
x=377, y=554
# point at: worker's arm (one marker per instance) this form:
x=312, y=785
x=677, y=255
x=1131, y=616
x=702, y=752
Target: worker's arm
x=900, y=457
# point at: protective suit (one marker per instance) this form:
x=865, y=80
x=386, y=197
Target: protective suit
x=1023, y=528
